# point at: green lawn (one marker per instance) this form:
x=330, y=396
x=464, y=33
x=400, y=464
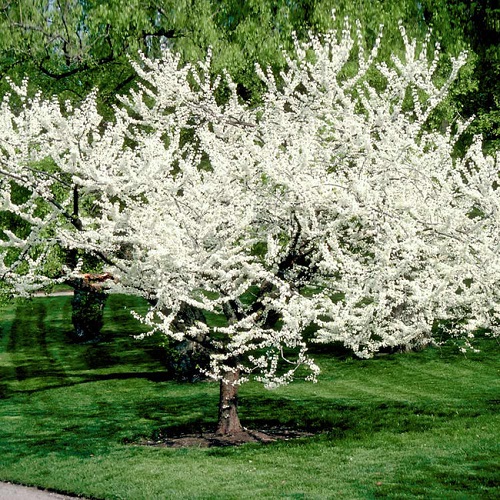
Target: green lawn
x=420, y=425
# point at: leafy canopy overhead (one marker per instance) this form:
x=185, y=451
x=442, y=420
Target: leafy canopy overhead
x=330, y=204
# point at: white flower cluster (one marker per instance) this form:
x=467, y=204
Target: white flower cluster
x=331, y=205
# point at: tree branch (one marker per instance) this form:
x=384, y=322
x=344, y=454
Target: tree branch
x=79, y=69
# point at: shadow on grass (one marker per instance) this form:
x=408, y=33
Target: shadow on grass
x=83, y=379
x=43, y=355
x=342, y=420
x=329, y=420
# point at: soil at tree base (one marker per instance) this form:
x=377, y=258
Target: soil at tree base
x=211, y=439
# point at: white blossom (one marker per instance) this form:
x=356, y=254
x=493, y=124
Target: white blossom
x=331, y=205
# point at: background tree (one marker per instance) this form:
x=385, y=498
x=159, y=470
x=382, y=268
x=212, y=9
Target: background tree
x=474, y=26
x=330, y=205
x=68, y=47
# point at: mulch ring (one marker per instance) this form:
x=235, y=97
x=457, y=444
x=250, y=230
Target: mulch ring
x=212, y=440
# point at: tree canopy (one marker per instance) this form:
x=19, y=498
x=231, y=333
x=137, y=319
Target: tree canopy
x=332, y=204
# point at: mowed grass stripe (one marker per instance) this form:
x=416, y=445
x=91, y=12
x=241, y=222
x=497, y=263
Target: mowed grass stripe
x=28, y=345
x=7, y=367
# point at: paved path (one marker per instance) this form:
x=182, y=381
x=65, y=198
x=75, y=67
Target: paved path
x=62, y=293
x=9, y=491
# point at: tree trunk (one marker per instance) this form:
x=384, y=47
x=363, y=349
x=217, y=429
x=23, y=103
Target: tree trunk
x=88, y=305
x=88, y=313
x=229, y=422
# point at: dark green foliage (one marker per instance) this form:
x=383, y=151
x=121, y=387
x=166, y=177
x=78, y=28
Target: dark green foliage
x=473, y=26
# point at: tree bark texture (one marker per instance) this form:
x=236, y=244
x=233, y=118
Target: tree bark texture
x=88, y=312
x=229, y=421
x=88, y=304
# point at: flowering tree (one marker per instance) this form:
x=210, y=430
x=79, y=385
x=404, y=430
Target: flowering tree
x=330, y=204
